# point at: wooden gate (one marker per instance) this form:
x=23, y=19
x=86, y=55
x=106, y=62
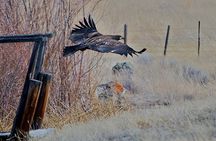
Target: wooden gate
x=33, y=101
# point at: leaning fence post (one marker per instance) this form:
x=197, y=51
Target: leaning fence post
x=42, y=101
x=20, y=109
x=198, y=38
x=30, y=94
x=125, y=33
x=29, y=109
x=166, y=41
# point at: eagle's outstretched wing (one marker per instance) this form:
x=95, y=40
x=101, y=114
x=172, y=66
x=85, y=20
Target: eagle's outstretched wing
x=103, y=44
x=107, y=45
x=85, y=36
x=83, y=31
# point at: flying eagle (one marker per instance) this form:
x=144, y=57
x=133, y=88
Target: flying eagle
x=85, y=36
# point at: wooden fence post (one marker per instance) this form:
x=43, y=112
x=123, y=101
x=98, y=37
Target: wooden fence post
x=166, y=41
x=20, y=109
x=30, y=94
x=125, y=33
x=42, y=101
x=29, y=109
x=198, y=38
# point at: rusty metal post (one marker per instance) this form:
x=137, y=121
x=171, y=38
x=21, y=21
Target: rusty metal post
x=42, y=101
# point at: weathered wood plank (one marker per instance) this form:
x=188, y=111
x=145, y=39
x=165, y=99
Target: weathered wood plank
x=24, y=38
x=22, y=130
x=42, y=101
x=40, y=57
x=34, y=68
x=31, y=74
x=20, y=109
x=31, y=104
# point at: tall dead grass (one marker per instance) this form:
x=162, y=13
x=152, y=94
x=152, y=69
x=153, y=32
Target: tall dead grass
x=74, y=78
x=171, y=104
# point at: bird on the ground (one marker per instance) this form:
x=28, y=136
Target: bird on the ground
x=85, y=36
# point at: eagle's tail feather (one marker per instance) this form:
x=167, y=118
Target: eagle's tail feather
x=69, y=50
x=141, y=51
x=131, y=54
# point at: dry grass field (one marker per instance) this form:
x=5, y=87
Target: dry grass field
x=174, y=101
x=175, y=95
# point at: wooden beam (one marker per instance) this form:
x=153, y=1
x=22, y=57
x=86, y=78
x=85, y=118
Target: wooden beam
x=29, y=110
x=39, y=58
x=35, y=65
x=22, y=103
x=42, y=101
x=24, y=38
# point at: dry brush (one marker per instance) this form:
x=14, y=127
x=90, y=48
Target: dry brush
x=74, y=78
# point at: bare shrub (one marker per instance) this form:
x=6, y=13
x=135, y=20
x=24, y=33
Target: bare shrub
x=74, y=78
x=195, y=75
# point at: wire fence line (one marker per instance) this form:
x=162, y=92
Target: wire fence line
x=181, y=39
